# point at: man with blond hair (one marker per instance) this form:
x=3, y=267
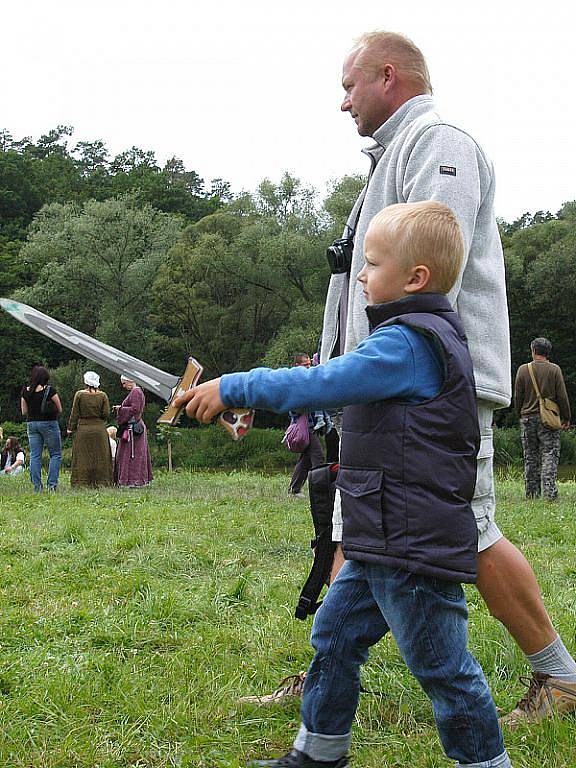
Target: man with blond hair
x=419, y=156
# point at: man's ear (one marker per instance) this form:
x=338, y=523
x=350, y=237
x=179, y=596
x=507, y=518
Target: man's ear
x=419, y=279
x=388, y=76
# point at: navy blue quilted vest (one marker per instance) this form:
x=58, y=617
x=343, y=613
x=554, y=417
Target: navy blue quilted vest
x=407, y=471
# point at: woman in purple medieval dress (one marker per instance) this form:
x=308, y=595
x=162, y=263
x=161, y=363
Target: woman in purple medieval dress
x=133, y=467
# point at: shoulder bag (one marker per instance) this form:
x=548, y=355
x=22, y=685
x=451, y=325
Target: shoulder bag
x=297, y=437
x=137, y=426
x=549, y=410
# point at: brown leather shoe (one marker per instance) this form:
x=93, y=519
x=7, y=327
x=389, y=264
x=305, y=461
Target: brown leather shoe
x=546, y=697
x=291, y=687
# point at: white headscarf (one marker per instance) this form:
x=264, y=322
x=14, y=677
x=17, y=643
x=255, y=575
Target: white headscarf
x=91, y=379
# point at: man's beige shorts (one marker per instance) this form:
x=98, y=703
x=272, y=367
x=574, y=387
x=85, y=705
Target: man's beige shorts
x=484, y=501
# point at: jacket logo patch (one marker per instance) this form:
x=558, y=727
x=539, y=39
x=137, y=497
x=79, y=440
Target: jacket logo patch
x=448, y=170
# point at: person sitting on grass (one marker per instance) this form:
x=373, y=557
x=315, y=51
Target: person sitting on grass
x=12, y=458
x=407, y=473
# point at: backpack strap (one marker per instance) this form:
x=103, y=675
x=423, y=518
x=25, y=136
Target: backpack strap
x=321, y=487
x=45, y=399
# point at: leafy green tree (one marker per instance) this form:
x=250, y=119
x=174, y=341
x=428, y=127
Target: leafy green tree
x=96, y=264
x=541, y=268
x=20, y=197
x=551, y=285
x=302, y=331
x=171, y=189
x=236, y=277
x=300, y=334
x=340, y=201
x=33, y=174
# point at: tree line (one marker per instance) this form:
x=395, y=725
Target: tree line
x=155, y=261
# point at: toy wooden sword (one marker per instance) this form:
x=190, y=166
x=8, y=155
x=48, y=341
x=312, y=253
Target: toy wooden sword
x=236, y=421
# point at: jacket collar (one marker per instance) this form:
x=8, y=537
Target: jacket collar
x=404, y=115
x=432, y=303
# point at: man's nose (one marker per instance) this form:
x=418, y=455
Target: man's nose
x=346, y=105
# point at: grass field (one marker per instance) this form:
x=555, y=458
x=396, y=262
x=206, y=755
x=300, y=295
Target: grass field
x=131, y=621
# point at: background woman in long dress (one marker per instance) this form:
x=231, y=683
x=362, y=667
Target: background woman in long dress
x=133, y=466
x=91, y=455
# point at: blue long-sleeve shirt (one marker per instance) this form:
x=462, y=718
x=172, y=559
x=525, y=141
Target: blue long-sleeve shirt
x=395, y=361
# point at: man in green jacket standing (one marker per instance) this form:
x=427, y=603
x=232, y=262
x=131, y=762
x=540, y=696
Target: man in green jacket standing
x=540, y=444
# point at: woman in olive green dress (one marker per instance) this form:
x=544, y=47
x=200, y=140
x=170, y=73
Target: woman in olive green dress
x=91, y=456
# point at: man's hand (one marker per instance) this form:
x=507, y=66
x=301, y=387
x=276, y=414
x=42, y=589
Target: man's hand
x=203, y=401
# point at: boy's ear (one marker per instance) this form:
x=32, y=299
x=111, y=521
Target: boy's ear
x=419, y=279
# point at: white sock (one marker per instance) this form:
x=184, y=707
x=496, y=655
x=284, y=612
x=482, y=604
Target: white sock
x=554, y=660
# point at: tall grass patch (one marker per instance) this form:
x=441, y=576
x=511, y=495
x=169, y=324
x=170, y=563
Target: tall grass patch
x=132, y=621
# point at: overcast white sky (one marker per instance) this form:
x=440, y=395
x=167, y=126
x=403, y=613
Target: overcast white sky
x=245, y=90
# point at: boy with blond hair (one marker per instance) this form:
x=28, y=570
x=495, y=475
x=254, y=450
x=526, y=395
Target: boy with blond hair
x=406, y=478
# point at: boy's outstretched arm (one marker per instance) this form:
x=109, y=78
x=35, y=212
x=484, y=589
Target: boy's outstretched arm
x=203, y=402
x=383, y=366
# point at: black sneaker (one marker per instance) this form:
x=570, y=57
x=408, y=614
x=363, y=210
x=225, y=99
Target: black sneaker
x=297, y=759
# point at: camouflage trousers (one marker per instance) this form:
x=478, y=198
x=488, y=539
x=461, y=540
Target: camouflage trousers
x=541, y=448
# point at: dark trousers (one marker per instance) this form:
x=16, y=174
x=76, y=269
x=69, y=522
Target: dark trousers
x=541, y=448
x=308, y=459
x=332, y=439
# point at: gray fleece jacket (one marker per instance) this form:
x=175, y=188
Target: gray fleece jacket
x=417, y=156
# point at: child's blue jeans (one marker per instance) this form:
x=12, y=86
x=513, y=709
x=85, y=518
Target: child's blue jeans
x=429, y=621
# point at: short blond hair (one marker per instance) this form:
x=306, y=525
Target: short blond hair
x=424, y=233
x=376, y=49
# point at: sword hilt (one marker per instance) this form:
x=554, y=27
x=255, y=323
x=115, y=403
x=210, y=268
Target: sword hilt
x=236, y=421
x=172, y=412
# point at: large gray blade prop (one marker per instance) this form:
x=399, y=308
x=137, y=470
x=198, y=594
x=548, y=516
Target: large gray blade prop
x=151, y=378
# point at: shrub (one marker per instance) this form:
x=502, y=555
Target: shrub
x=568, y=447
x=508, y=447
x=13, y=429
x=212, y=447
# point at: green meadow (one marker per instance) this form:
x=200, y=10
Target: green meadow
x=132, y=620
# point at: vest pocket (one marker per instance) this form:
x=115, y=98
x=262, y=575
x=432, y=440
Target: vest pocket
x=361, y=492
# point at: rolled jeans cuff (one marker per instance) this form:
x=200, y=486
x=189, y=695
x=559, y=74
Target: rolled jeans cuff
x=321, y=746
x=501, y=761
